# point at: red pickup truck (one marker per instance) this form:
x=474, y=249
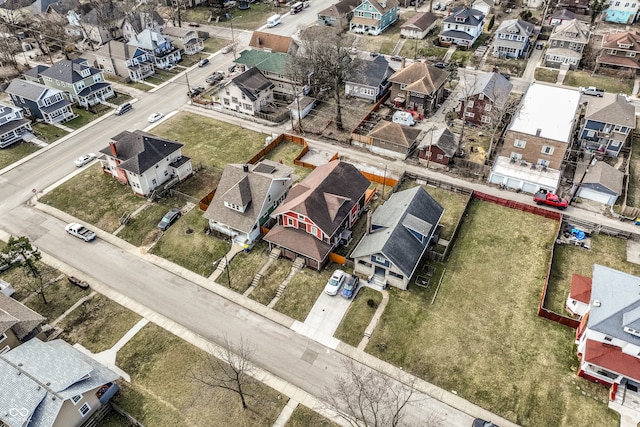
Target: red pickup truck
x=550, y=199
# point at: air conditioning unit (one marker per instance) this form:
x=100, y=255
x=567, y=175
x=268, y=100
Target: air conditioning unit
x=544, y=168
x=533, y=166
x=523, y=163
x=513, y=160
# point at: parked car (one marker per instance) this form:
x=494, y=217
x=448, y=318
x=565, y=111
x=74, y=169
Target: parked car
x=335, y=282
x=350, y=287
x=80, y=231
x=203, y=62
x=215, y=77
x=195, y=91
x=121, y=109
x=83, y=160
x=155, y=117
x=441, y=65
x=194, y=24
x=479, y=422
x=592, y=90
x=396, y=58
x=374, y=54
x=169, y=218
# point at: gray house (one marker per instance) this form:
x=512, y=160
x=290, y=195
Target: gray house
x=118, y=59
x=599, y=182
x=512, y=39
x=401, y=231
x=566, y=44
x=40, y=102
x=246, y=196
x=371, y=81
x=12, y=125
x=609, y=123
x=54, y=382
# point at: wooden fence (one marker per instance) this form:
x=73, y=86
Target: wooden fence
x=355, y=134
x=132, y=421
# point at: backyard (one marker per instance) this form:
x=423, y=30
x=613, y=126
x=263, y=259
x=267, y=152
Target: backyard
x=494, y=320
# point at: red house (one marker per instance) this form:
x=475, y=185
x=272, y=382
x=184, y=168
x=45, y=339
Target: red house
x=318, y=213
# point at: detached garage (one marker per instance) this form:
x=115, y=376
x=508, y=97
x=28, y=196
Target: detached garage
x=520, y=175
x=602, y=183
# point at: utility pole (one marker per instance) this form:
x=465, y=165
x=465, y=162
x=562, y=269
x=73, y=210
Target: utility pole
x=433, y=128
x=384, y=180
x=586, y=170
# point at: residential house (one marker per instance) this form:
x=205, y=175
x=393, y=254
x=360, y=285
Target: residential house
x=439, y=146
x=401, y=231
x=561, y=16
x=338, y=15
x=301, y=106
x=272, y=65
x=373, y=16
x=513, y=39
x=579, y=295
x=144, y=161
x=40, y=102
x=38, y=8
x=484, y=6
x=371, y=81
x=579, y=7
x=14, y=11
x=485, y=99
x=87, y=20
x=609, y=123
x=186, y=39
x=136, y=22
x=621, y=11
x=620, y=51
x=418, y=87
x=82, y=83
x=18, y=324
x=12, y=125
x=121, y=60
x=598, y=181
x=418, y=26
x=53, y=384
x=249, y=92
x=461, y=27
x=273, y=43
x=245, y=198
x=160, y=48
x=566, y=44
x=608, y=338
x=318, y=213
x=393, y=140
x=537, y=139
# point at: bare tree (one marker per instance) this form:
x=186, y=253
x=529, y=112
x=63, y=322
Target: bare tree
x=21, y=253
x=323, y=53
x=9, y=47
x=228, y=369
x=367, y=397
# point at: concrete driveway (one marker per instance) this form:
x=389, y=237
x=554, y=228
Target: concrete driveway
x=323, y=319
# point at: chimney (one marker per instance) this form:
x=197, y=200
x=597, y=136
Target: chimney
x=114, y=150
x=402, y=62
x=245, y=168
x=368, y=230
x=538, y=132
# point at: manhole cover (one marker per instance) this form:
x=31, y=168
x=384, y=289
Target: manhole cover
x=189, y=230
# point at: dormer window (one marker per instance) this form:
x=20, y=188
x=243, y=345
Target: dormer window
x=624, y=45
x=85, y=73
x=632, y=331
x=459, y=19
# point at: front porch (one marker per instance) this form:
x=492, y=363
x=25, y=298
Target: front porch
x=12, y=132
x=626, y=402
x=95, y=94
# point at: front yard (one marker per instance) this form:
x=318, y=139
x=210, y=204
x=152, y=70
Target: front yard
x=352, y=327
x=482, y=337
x=303, y=291
x=606, y=83
x=15, y=152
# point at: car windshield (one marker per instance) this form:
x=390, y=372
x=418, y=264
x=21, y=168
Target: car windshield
x=333, y=281
x=348, y=286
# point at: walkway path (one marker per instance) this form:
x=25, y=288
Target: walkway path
x=374, y=320
x=532, y=64
x=222, y=263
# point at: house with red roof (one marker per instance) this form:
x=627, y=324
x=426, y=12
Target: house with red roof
x=318, y=213
x=620, y=51
x=608, y=337
x=579, y=295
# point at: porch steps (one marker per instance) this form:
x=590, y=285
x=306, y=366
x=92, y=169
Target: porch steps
x=222, y=264
x=299, y=263
x=256, y=279
x=275, y=253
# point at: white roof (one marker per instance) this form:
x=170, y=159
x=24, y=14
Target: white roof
x=548, y=109
x=548, y=179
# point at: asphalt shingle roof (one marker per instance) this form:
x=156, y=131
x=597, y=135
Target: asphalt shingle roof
x=372, y=73
x=421, y=21
x=68, y=71
x=30, y=90
x=464, y=15
x=252, y=82
x=493, y=85
x=394, y=133
x=420, y=77
x=17, y=316
x=601, y=177
x=613, y=109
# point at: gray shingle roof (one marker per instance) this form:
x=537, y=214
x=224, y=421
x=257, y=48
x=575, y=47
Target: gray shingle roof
x=468, y=16
x=139, y=151
x=618, y=294
x=17, y=316
x=41, y=376
x=36, y=71
x=494, y=86
x=443, y=139
x=402, y=228
x=613, y=109
x=30, y=90
x=69, y=70
x=252, y=82
x=516, y=26
x=573, y=31
x=372, y=73
x=245, y=188
x=601, y=177
x=340, y=9
x=116, y=49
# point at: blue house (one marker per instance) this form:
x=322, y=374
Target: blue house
x=609, y=122
x=40, y=102
x=622, y=11
x=374, y=16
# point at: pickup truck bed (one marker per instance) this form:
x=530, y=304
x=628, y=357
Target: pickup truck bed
x=550, y=199
x=80, y=232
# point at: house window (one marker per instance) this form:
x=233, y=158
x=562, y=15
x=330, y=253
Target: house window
x=516, y=156
x=469, y=104
x=247, y=107
x=608, y=339
x=543, y=162
x=440, y=156
x=84, y=409
x=481, y=96
x=3, y=337
x=166, y=173
x=546, y=149
x=234, y=99
x=485, y=119
x=77, y=398
x=519, y=143
x=469, y=114
x=226, y=101
x=615, y=143
x=487, y=107
x=365, y=263
x=631, y=54
x=4, y=349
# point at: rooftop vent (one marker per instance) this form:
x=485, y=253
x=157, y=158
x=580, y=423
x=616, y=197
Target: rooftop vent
x=538, y=131
x=596, y=303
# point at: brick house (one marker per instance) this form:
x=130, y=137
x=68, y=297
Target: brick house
x=418, y=87
x=485, y=99
x=439, y=146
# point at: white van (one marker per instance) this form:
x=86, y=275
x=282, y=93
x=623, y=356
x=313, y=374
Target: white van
x=273, y=21
x=403, y=118
x=297, y=7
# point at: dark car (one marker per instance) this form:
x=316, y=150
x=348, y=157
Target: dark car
x=441, y=65
x=506, y=76
x=215, y=77
x=203, y=62
x=374, y=54
x=169, y=218
x=195, y=91
x=479, y=422
x=350, y=287
x=396, y=58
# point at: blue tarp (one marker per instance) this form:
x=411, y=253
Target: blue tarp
x=578, y=234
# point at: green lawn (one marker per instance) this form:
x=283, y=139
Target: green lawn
x=244, y=266
x=48, y=133
x=633, y=195
x=98, y=324
x=482, y=337
x=185, y=244
x=607, y=83
x=85, y=117
x=266, y=289
x=302, y=292
x=546, y=75
x=286, y=152
x=353, y=324
x=250, y=19
x=305, y=417
x=605, y=250
x=214, y=44
x=142, y=230
x=163, y=392
x=515, y=67
x=15, y=152
x=201, y=183
x=60, y=296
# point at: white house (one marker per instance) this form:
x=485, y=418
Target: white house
x=246, y=196
x=462, y=27
x=512, y=38
x=12, y=125
x=144, y=161
x=247, y=93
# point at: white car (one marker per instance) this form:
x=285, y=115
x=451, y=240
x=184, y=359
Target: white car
x=155, y=117
x=335, y=282
x=83, y=160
